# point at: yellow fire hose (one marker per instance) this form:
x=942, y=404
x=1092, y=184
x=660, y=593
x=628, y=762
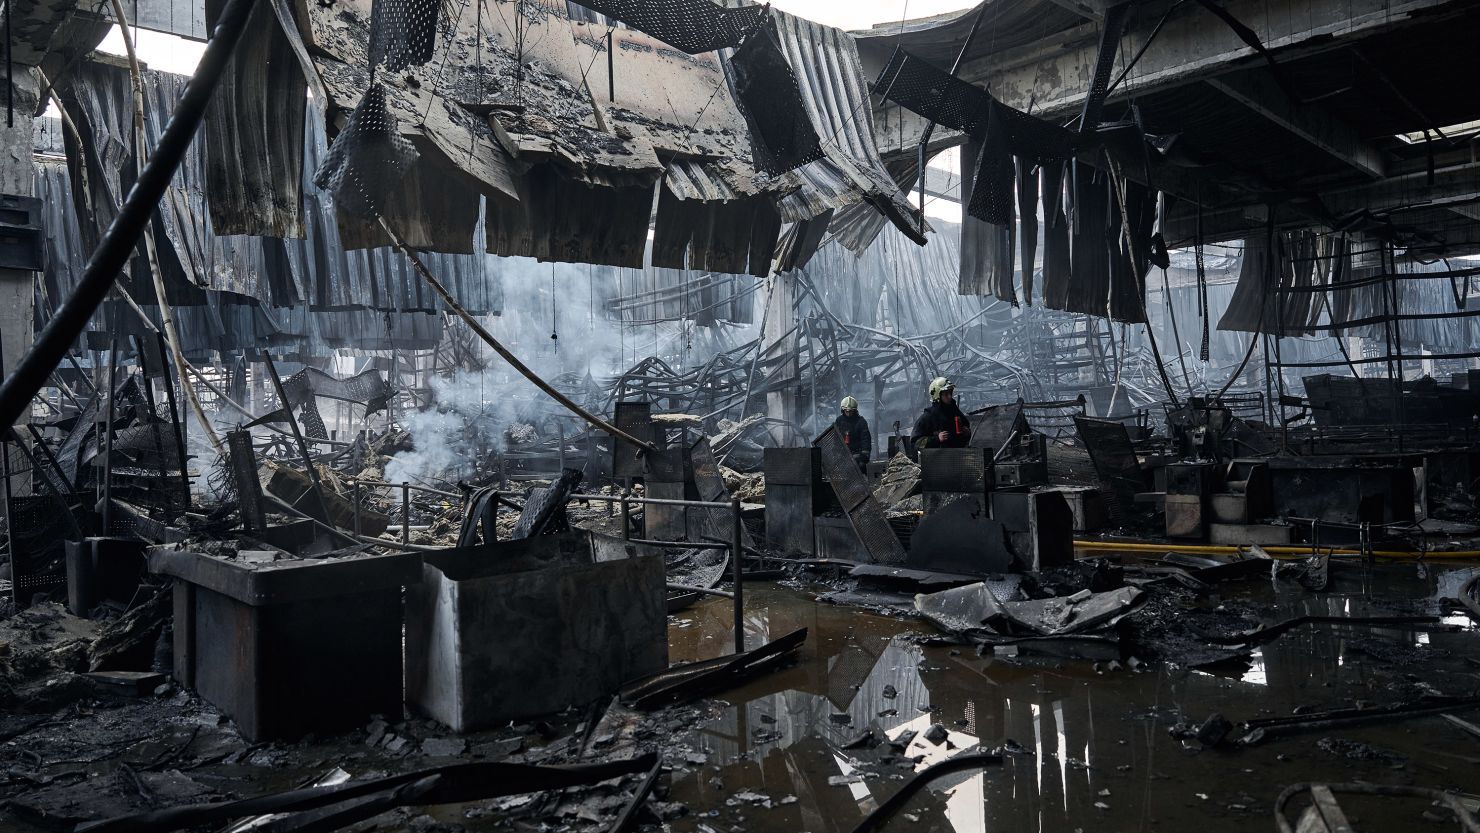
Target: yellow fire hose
x=1287, y=551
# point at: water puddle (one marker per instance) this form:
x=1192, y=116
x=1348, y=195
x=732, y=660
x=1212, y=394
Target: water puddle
x=1089, y=747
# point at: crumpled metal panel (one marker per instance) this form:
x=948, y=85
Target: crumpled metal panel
x=251, y=142
x=836, y=95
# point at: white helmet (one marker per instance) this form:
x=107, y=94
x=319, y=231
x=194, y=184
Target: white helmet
x=850, y=404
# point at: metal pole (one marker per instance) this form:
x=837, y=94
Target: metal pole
x=117, y=245
x=108, y=437
x=5, y=472
x=737, y=549
x=313, y=473
x=357, y=508
x=626, y=529
x=405, y=512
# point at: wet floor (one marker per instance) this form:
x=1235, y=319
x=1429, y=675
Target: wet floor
x=1091, y=748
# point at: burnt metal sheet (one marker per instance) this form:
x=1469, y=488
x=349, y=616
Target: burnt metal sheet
x=830, y=74
x=960, y=538
x=253, y=145
x=706, y=472
x=635, y=419
x=484, y=622
x=789, y=517
x=864, y=512
x=289, y=580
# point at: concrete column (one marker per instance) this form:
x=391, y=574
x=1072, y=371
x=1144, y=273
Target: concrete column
x=17, y=287
x=781, y=320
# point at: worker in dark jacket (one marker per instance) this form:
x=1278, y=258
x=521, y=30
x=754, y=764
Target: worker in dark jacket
x=854, y=430
x=942, y=425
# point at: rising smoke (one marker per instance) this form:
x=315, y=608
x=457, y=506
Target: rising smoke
x=475, y=410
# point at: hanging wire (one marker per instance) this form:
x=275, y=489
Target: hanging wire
x=554, y=312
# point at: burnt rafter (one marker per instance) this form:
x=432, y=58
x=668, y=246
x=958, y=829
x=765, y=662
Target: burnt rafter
x=1258, y=93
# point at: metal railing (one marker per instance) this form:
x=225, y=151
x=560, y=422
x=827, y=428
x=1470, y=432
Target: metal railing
x=736, y=545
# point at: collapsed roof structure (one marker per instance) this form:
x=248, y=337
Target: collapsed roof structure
x=415, y=382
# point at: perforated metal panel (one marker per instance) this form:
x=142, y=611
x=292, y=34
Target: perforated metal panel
x=956, y=470
x=38, y=528
x=847, y=481
x=636, y=419
x=792, y=467
x=402, y=32
x=368, y=159
x=691, y=25
x=864, y=513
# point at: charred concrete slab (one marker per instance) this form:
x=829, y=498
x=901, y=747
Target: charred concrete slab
x=515, y=629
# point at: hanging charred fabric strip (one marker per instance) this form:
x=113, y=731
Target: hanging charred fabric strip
x=1089, y=270
x=1027, y=177
x=1056, y=265
x=253, y=144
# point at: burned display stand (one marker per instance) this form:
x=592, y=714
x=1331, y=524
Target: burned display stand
x=484, y=622
x=287, y=647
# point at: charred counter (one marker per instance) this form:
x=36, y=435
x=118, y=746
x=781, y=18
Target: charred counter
x=290, y=646
x=514, y=629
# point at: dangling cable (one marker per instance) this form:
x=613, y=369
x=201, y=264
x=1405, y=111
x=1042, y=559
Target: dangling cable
x=554, y=312
x=1202, y=286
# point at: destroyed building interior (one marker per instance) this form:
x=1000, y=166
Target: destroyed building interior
x=711, y=416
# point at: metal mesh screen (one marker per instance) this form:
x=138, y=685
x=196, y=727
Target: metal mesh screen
x=691, y=25
x=706, y=473
x=767, y=92
x=837, y=463
x=402, y=32
x=367, y=160
x=922, y=88
x=244, y=478
x=955, y=470
x=876, y=534
x=636, y=419
x=368, y=388
x=791, y=467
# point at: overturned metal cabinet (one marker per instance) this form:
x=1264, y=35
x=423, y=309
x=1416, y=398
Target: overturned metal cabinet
x=515, y=629
x=291, y=646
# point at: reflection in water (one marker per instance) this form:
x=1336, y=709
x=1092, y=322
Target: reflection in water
x=1085, y=749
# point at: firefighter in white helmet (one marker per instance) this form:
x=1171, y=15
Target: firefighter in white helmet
x=853, y=428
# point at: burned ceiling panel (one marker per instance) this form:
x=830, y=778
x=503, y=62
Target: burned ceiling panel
x=564, y=124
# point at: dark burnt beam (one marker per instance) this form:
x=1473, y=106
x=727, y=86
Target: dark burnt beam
x=1054, y=74
x=1051, y=76
x=1087, y=9
x=1406, y=198
x=1258, y=92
